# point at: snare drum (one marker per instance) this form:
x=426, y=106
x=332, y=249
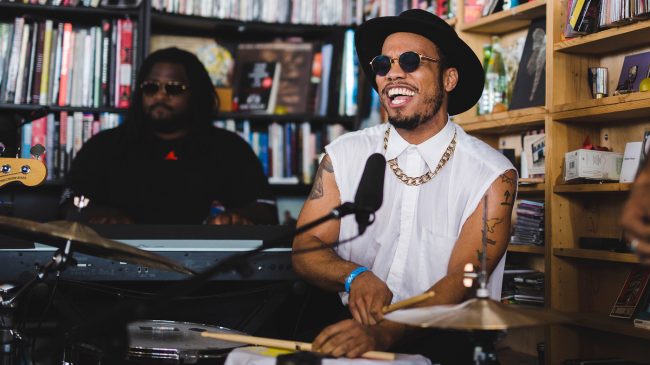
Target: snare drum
x=169, y=342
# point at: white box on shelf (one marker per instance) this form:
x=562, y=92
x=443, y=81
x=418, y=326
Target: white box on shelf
x=591, y=164
x=631, y=161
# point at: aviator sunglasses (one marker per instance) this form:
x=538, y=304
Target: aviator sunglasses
x=171, y=88
x=409, y=61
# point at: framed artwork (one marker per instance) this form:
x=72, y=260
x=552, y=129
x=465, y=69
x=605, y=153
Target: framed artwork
x=530, y=85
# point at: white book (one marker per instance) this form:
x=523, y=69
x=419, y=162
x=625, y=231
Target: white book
x=5, y=42
x=21, y=64
x=631, y=161
x=14, y=59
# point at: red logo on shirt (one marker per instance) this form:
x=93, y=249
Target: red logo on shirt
x=171, y=156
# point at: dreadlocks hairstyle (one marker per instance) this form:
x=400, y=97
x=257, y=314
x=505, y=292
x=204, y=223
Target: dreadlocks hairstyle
x=203, y=103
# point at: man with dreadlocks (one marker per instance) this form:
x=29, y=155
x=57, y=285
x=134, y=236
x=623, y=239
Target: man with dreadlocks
x=166, y=163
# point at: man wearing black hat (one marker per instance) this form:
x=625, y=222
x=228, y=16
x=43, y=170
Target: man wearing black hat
x=431, y=220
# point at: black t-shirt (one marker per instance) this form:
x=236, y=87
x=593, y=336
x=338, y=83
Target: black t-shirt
x=157, y=181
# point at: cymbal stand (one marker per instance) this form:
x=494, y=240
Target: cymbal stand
x=484, y=351
x=10, y=335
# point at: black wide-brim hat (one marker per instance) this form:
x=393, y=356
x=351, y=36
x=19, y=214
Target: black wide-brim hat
x=370, y=36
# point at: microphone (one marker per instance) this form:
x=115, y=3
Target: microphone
x=370, y=193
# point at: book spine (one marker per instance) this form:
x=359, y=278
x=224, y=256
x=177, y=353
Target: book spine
x=35, y=69
x=63, y=143
x=126, y=62
x=50, y=146
x=39, y=134
x=21, y=65
x=16, y=46
x=106, y=46
x=97, y=72
x=65, y=61
x=45, y=76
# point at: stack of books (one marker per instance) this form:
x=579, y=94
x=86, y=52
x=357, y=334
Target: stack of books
x=529, y=223
x=523, y=286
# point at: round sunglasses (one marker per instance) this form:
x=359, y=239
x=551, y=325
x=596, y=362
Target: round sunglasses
x=171, y=88
x=409, y=61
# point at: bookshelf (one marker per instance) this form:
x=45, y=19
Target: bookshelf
x=585, y=283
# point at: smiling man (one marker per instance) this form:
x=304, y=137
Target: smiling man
x=430, y=223
x=167, y=163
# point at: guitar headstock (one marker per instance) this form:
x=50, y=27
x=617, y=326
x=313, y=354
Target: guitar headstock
x=30, y=172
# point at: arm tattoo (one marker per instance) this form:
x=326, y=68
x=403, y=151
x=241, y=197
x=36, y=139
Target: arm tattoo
x=317, y=190
x=492, y=223
x=506, y=196
x=508, y=180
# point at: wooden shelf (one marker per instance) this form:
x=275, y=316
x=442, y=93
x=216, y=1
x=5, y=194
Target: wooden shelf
x=607, y=41
x=55, y=108
x=75, y=11
x=604, y=323
x=592, y=188
x=535, y=250
x=582, y=253
x=508, y=20
x=609, y=109
x=510, y=121
x=531, y=189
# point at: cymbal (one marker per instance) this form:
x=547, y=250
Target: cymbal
x=87, y=241
x=475, y=314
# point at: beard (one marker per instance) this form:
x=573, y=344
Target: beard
x=167, y=125
x=411, y=122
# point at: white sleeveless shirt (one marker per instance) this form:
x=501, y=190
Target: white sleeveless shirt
x=415, y=230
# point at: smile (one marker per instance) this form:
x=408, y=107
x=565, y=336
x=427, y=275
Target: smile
x=399, y=95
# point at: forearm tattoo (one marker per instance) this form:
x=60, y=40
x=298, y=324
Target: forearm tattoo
x=317, y=190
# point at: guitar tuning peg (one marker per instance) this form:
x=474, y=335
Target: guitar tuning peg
x=469, y=275
x=37, y=150
x=2, y=148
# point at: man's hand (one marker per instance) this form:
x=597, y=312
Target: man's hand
x=349, y=338
x=229, y=218
x=368, y=294
x=636, y=219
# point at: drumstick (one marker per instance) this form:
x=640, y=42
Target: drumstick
x=408, y=302
x=285, y=344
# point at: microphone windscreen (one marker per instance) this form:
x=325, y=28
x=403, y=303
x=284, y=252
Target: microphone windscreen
x=370, y=193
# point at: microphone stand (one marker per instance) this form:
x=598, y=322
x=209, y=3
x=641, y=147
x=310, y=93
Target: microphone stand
x=114, y=322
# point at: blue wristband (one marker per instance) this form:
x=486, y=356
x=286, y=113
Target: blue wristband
x=353, y=275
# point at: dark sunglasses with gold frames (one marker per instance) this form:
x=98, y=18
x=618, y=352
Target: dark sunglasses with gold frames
x=409, y=61
x=171, y=88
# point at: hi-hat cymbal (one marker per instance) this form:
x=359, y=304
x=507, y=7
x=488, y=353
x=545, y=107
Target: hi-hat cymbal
x=87, y=241
x=475, y=314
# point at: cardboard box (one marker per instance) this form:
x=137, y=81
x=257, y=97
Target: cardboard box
x=593, y=165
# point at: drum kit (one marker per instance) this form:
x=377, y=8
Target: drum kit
x=157, y=341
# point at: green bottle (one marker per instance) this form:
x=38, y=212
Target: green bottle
x=496, y=80
x=483, y=101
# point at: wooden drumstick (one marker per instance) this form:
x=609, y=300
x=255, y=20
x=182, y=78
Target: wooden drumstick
x=408, y=302
x=285, y=344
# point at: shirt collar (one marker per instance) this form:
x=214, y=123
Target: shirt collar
x=431, y=150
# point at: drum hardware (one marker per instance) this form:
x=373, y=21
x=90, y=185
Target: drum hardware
x=485, y=318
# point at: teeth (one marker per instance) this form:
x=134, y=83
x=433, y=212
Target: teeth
x=400, y=91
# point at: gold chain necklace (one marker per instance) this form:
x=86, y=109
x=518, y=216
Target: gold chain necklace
x=415, y=181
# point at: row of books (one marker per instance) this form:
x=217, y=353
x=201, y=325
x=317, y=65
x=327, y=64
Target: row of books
x=86, y=3
x=523, y=286
x=49, y=63
x=589, y=16
x=529, y=223
x=324, y=12
x=62, y=135
x=288, y=152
